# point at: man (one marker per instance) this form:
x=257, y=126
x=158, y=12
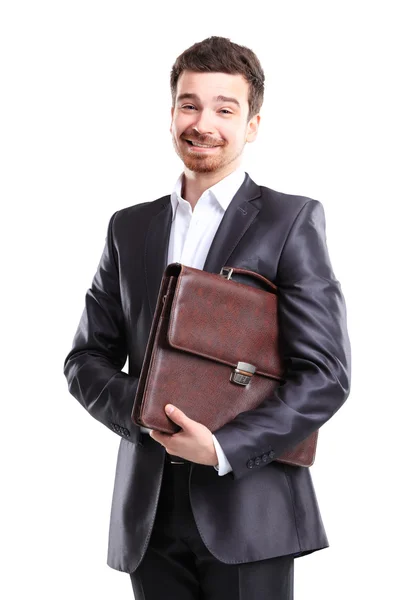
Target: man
x=201, y=514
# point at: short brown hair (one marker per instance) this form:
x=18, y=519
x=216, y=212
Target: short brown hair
x=219, y=54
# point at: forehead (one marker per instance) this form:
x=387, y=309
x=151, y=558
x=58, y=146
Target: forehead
x=210, y=85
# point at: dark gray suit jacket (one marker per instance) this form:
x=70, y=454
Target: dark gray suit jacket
x=262, y=508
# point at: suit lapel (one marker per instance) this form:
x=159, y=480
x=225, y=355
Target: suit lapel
x=237, y=219
x=235, y=222
x=156, y=250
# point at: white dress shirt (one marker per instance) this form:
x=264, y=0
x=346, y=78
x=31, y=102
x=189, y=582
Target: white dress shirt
x=192, y=232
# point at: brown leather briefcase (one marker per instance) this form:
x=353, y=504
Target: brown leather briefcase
x=212, y=352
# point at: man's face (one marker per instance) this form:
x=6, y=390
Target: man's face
x=211, y=109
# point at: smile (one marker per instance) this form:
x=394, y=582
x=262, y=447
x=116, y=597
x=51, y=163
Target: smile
x=197, y=145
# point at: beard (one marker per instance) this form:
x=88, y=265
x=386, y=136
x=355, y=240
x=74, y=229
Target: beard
x=199, y=162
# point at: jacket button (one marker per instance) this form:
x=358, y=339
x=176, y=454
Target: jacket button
x=264, y=457
x=250, y=464
x=257, y=461
x=271, y=454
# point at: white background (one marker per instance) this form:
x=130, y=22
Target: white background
x=85, y=108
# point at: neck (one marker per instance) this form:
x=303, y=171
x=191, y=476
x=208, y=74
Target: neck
x=194, y=184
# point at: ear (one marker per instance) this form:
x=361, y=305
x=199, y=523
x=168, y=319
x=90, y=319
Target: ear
x=172, y=116
x=252, y=128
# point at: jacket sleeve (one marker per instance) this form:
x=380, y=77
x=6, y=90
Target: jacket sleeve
x=99, y=351
x=316, y=352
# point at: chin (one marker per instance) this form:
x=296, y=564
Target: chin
x=202, y=164
x=198, y=167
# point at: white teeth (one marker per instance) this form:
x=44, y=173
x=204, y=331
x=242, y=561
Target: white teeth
x=202, y=145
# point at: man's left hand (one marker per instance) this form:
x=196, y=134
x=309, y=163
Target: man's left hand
x=193, y=443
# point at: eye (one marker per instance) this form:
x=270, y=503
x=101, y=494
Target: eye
x=188, y=106
x=225, y=111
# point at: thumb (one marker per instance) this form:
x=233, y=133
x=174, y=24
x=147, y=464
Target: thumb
x=177, y=416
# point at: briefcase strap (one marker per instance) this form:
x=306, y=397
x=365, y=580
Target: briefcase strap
x=228, y=271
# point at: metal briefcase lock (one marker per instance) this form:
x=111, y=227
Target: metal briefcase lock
x=243, y=373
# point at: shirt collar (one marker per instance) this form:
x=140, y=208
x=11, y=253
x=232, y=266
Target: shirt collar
x=223, y=191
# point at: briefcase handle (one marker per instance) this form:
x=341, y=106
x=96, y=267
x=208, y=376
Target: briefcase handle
x=228, y=271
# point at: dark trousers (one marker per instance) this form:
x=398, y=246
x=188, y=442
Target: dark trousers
x=178, y=566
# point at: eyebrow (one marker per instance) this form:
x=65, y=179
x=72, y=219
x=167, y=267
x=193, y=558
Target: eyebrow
x=220, y=98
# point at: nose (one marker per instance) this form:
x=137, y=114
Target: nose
x=203, y=123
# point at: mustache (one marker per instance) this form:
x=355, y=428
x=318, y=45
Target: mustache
x=202, y=139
